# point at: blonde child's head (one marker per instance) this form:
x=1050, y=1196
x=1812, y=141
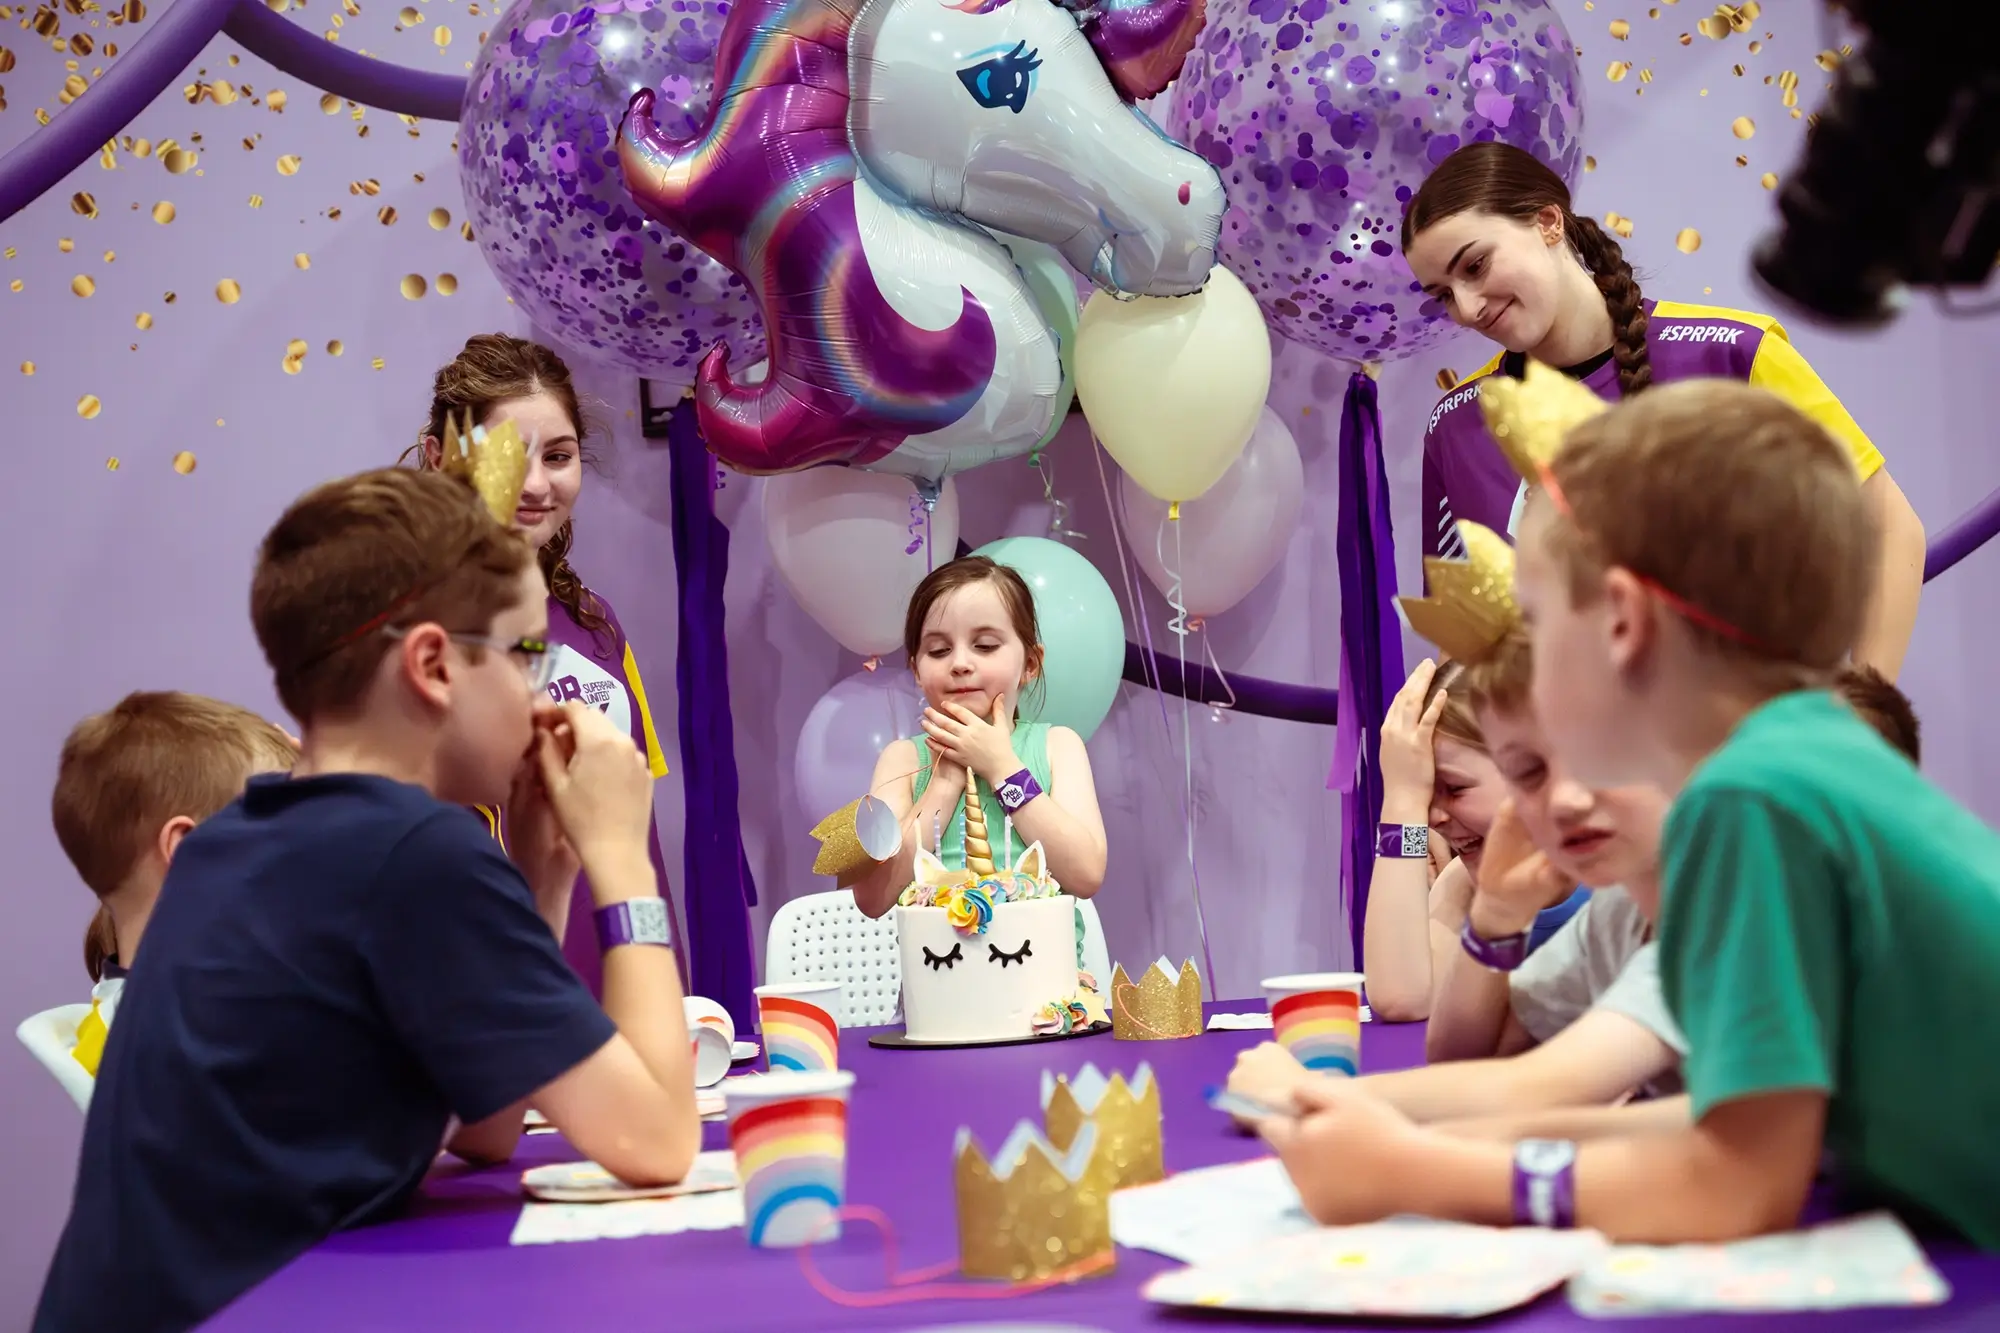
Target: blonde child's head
x=972, y=637
x=1466, y=790
x=394, y=603
x=134, y=779
x=1706, y=541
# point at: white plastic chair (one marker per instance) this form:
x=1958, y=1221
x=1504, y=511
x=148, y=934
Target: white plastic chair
x=50, y=1037
x=824, y=937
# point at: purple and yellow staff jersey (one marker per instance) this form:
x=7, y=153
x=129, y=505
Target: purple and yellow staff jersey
x=1466, y=476
x=598, y=669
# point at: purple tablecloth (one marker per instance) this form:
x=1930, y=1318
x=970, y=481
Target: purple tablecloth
x=448, y=1264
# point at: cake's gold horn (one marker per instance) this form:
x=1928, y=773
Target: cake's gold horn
x=978, y=848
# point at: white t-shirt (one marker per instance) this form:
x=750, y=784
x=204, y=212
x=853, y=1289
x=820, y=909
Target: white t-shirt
x=1602, y=958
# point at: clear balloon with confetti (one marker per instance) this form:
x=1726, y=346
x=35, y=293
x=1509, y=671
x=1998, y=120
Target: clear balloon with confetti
x=1324, y=117
x=538, y=160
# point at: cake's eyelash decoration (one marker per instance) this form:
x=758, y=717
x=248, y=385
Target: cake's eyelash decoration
x=1020, y=955
x=934, y=961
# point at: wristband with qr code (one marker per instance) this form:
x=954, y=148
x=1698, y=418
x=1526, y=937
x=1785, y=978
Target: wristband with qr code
x=1404, y=842
x=1545, y=1183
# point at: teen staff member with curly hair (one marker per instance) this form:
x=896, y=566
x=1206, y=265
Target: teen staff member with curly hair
x=1491, y=234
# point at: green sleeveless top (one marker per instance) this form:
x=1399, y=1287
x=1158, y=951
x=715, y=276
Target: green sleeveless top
x=1031, y=743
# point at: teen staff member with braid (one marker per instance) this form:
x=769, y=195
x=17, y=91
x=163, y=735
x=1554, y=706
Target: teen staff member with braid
x=1491, y=234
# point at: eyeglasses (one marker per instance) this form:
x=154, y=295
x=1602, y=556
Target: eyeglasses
x=538, y=663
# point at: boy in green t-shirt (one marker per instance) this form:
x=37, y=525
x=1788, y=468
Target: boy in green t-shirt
x=1696, y=563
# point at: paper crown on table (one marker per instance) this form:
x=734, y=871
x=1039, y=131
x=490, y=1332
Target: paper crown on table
x=1529, y=417
x=1159, y=1006
x=1127, y=1117
x=1471, y=606
x=853, y=839
x=495, y=462
x=1033, y=1211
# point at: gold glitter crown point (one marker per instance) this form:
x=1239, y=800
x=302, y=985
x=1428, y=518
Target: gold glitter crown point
x=1530, y=417
x=1471, y=606
x=1033, y=1211
x=856, y=838
x=1158, y=1007
x=1127, y=1116
x=494, y=462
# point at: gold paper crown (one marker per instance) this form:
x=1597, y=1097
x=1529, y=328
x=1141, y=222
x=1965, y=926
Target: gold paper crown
x=494, y=461
x=856, y=838
x=1471, y=605
x=1033, y=1211
x=1157, y=1008
x=1529, y=417
x=1127, y=1117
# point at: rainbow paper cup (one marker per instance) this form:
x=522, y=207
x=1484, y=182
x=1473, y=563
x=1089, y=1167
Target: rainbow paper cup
x=801, y=1025
x=1317, y=1017
x=712, y=1033
x=789, y=1133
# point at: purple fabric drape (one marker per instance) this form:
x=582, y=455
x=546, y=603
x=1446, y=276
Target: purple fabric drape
x=715, y=881
x=1371, y=641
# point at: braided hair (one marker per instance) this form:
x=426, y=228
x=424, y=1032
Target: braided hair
x=1499, y=178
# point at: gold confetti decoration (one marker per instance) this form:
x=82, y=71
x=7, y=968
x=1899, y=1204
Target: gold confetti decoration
x=302, y=260
x=447, y=284
x=1687, y=240
x=1620, y=29
x=228, y=291
x=376, y=364
x=27, y=367
x=111, y=465
x=276, y=99
x=1737, y=70
x=107, y=157
x=82, y=285
x=333, y=214
x=1685, y=39
x=1796, y=113
x=329, y=104
x=1645, y=76
x=1589, y=164
x=184, y=460
x=335, y=347
x=110, y=255
x=413, y=287
x=442, y=37
x=41, y=116
x=256, y=201
x=169, y=298
x=1743, y=127
x=249, y=144
x=1617, y=70
x=81, y=44
x=1769, y=180
x=88, y=407
x=1714, y=28
x=1826, y=60
x=1447, y=380
x=163, y=212
x=410, y=17
x=83, y=203
x=110, y=49
x=6, y=60
x=370, y=186
x=295, y=355
x=178, y=161
x=14, y=286
x=218, y=421
x=144, y=321
x=8, y=252
x=139, y=147
x=65, y=245
x=386, y=215
x=440, y=219
x=465, y=230
x=1619, y=223
x=288, y=165
x=1756, y=47
x=74, y=87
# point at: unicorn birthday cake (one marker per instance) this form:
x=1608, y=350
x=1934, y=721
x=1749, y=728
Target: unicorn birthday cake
x=990, y=954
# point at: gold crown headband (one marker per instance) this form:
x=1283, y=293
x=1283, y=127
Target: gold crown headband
x=1471, y=606
x=494, y=462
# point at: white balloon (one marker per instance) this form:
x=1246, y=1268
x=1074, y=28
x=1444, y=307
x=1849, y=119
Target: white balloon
x=1173, y=385
x=1231, y=537
x=840, y=538
x=847, y=730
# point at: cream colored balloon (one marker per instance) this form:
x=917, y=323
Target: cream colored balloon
x=1173, y=385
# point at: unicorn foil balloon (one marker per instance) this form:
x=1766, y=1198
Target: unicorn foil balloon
x=859, y=159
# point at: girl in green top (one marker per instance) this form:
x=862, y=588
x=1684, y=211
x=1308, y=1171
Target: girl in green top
x=975, y=649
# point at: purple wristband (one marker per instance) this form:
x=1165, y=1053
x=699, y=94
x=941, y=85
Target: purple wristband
x=1017, y=791
x=1545, y=1183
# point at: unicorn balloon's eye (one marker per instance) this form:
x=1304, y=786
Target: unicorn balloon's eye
x=934, y=961
x=1003, y=79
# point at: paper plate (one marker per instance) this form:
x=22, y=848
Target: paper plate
x=743, y=1050
x=587, y=1182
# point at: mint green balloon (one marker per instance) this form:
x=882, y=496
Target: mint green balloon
x=1054, y=289
x=1083, y=633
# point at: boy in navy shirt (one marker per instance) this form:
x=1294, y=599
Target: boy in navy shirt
x=344, y=960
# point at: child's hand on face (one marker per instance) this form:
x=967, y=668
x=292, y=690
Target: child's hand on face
x=1515, y=880
x=1408, y=730
x=535, y=840
x=597, y=782
x=984, y=746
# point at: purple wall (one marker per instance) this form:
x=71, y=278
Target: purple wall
x=137, y=577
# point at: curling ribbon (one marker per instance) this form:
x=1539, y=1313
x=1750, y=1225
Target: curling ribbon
x=922, y=1284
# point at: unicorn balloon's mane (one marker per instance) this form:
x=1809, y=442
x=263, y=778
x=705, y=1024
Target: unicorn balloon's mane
x=843, y=361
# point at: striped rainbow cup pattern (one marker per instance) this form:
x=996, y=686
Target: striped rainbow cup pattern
x=1317, y=1017
x=789, y=1133
x=801, y=1025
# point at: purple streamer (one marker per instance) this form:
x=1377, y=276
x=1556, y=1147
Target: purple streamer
x=297, y=50
x=716, y=882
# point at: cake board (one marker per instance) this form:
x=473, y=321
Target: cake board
x=897, y=1041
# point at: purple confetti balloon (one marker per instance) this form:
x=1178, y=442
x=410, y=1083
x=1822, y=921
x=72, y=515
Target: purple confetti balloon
x=1325, y=116
x=538, y=157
